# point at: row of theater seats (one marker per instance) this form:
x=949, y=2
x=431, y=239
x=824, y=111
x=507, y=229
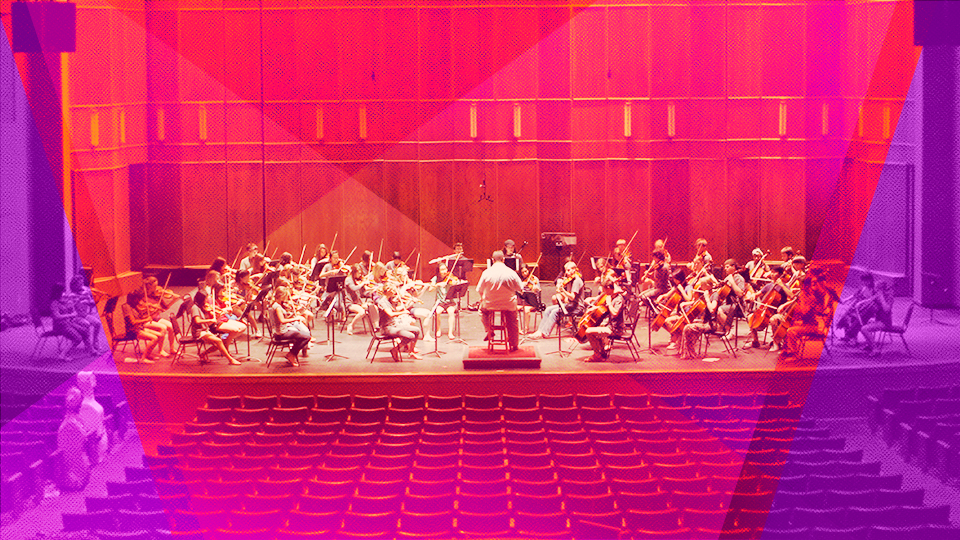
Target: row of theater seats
x=29, y=458
x=923, y=424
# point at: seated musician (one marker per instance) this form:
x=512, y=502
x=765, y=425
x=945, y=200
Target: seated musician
x=692, y=331
x=359, y=299
x=757, y=270
x=880, y=317
x=656, y=280
x=804, y=319
x=396, y=261
x=442, y=283
x=159, y=300
x=409, y=291
x=621, y=259
x=321, y=257
x=220, y=265
x=66, y=322
x=702, y=258
x=692, y=296
x=140, y=323
x=213, y=306
x=288, y=324
x=782, y=294
x=737, y=288
x=334, y=268
x=395, y=322
x=258, y=268
x=203, y=327
x=852, y=318
x=498, y=288
x=611, y=301
x=247, y=261
x=529, y=297
x=85, y=305
x=245, y=293
x=510, y=250
x=73, y=472
x=567, y=300
x=366, y=263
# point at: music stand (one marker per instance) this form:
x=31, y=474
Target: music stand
x=335, y=285
x=435, y=327
x=456, y=292
x=533, y=300
x=460, y=269
x=512, y=262
x=243, y=317
x=269, y=278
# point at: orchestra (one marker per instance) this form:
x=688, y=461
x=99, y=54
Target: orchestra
x=684, y=299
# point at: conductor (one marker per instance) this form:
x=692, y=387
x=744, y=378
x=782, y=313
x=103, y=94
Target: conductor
x=498, y=288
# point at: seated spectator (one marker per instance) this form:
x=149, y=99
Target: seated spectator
x=74, y=472
x=91, y=414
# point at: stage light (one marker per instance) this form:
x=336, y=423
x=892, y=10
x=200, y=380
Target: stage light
x=516, y=120
x=319, y=122
x=627, y=120
x=363, y=122
x=122, y=125
x=202, y=121
x=671, y=120
x=860, y=121
x=161, y=128
x=94, y=128
x=825, y=119
x=473, y=120
x=782, y=124
x=886, y=121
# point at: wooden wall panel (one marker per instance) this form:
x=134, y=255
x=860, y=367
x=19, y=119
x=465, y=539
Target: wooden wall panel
x=365, y=212
x=467, y=60
x=629, y=55
x=587, y=201
x=708, y=50
x=670, y=208
x=93, y=211
x=588, y=64
x=670, y=37
x=401, y=185
x=516, y=198
x=477, y=228
x=709, y=205
x=783, y=49
x=516, y=34
x=553, y=62
x=204, y=212
x=436, y=202
x=744, y=68
x=246, y=205
x=164, y=201
x=398, y=70
x=628, y=204
x=241, y=39
x=280, y=77
x=743, y=194
x=325, y=196
x=554, y=188
x=93, y=53
x=782, y=203
x=358, y=53
x=435, y=55
x=316, y=61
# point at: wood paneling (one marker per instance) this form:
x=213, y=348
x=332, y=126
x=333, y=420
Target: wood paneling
x=588, y=64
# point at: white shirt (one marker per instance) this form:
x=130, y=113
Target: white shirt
x=498, y=288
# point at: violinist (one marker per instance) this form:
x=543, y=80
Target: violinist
x=395, y=323
x=441, y=282
x=140, y=323
x=621, y=259
x=802, y=320
x=366, y=263
x=510, y=251
x=396, y=261
x=247, y=262
x=567, y=300
x=288, y=324
x=157, y=301
x=203, y=327
x=321, y=257
x=220, y=265
x=605, y=318
x=530, y=296
x=258, y=268
x=702, y=258
x=781, y=293
x=85, y=305
x=244, y=293
x=498, y=288
x=214, y=306
x=358, y=299
x=656, y=280
x=732, y=289
x=408, y=292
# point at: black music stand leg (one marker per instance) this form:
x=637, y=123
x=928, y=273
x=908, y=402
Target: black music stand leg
x=332, y=328
x=435, y=328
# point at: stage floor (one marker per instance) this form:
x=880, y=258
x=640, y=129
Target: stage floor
x=933, y=338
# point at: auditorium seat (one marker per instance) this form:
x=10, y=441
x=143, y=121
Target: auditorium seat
x=526, y=401
x=541, y=525
x=222, y=402
x=434, y=524
x=426, y=503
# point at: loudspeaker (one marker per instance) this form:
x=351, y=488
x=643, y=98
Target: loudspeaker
x=44, y=27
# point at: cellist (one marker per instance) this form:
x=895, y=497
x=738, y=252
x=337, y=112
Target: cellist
x=609, y=307
x=732, y=289
x=780, y=294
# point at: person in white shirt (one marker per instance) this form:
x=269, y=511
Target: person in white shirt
x=498, y=288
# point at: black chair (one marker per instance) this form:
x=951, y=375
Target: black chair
x=176, y=321
x=128, y=335
x=44, y=334
x=277, y=343
x=377, y=337
x=630, y=320
x=896, y=330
